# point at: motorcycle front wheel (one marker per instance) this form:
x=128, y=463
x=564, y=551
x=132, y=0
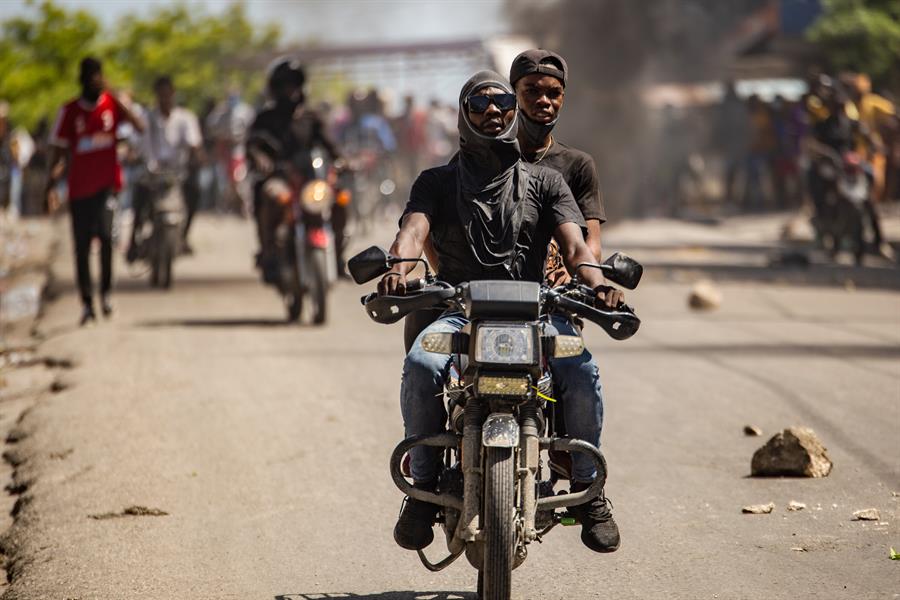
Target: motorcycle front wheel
x=163, y=256
x=499, y=526
x=318, y=288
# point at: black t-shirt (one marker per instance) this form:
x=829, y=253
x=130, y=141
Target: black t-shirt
x=289, y=137
x=580, y=173
x=548, y=203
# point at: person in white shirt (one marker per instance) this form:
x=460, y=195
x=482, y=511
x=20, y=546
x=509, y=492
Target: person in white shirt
x=172, y=146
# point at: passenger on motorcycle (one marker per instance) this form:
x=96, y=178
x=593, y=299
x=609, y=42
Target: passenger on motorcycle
x=491, y=215
x=285, y=131
x=539, y=78
x=172, y=143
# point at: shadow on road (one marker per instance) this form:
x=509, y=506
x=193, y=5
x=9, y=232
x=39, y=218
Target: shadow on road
x=239, y=322
x=836, y=350
x=380, y=596
x=124, y=283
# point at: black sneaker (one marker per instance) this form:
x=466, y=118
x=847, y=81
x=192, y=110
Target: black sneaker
x=414, y=528
x=599, y=531
x=87, y=315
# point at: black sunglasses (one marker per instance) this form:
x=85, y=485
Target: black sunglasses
x=480, y=103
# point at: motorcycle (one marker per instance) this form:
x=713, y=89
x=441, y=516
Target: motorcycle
x=495, y=490
x=296, y=217
x=158, y=239
x=844, y=219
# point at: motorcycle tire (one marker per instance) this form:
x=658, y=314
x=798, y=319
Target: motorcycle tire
x=499, y=526
x=318, y=289
x=167, y=251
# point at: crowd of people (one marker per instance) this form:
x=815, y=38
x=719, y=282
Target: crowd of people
x=763, y=147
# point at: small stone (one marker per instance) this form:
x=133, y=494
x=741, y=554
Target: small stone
x=895, y=494
x=794, y=506
x=794, y=452
x=866, y=514
x=759, y=509
x=704, y=296
x=752, y=430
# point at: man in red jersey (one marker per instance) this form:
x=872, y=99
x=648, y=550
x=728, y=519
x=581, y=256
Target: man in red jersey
x=84, y=137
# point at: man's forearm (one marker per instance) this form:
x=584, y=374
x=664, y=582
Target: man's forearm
x=594, y=239
x=406, y=245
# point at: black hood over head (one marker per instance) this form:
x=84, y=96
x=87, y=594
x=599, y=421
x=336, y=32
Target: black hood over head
x=491, y=181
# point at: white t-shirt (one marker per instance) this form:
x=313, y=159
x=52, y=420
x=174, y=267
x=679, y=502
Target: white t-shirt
x=168, y=140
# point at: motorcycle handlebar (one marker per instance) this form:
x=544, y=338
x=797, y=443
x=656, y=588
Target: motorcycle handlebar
x=619, y=323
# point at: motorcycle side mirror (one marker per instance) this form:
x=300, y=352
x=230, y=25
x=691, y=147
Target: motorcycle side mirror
x=369, y=264
x=620, y=269
x=623, y=270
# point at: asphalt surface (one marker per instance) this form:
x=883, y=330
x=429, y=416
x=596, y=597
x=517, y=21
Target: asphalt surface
x=267, y=447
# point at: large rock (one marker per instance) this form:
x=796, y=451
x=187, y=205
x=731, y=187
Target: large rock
x=795, y=452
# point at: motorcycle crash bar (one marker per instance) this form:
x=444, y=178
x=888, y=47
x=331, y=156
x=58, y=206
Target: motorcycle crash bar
x=440, y=440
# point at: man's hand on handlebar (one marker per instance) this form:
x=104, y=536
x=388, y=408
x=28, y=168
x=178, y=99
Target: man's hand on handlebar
x=392, y=284
x=609, y=296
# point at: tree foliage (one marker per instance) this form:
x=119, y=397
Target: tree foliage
x=862, y=35
x=206, y=55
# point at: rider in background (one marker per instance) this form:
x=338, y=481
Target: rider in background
x=227, y=125
x=172, y=143
x=84, y=138
x=284, y=131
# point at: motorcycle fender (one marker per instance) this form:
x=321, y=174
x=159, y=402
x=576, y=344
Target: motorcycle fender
x=500, y=430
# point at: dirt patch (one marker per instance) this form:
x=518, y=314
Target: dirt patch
x=131, y=511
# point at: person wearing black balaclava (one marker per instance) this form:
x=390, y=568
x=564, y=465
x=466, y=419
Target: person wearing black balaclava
x=491, y=215
x=539, y=77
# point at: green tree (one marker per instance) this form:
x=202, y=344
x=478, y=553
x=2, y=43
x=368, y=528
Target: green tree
x=205, y=54
x=39, y=58
x=862, y=35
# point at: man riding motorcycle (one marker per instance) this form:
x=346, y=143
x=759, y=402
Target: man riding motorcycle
x=285, y=131
x=491, y=215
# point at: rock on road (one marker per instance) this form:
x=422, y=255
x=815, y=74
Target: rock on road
x=267, y=447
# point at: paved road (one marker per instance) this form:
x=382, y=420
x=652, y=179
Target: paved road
x=267, y=446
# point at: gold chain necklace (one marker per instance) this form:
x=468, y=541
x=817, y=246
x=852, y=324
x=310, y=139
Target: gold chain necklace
x=544, y=153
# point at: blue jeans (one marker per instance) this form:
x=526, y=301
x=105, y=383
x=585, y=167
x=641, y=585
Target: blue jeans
x=576, y=385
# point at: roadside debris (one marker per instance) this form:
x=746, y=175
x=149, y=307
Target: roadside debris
x=894, y=555
x=705, y=296
x=794, y=506
x=758, y=509
x=752, y=430
x=867, y=514
x=799, y=549
x=131, y=511
x=794, y=452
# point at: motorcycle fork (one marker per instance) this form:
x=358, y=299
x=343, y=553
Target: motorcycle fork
x=467, y=530
x=529, y=456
